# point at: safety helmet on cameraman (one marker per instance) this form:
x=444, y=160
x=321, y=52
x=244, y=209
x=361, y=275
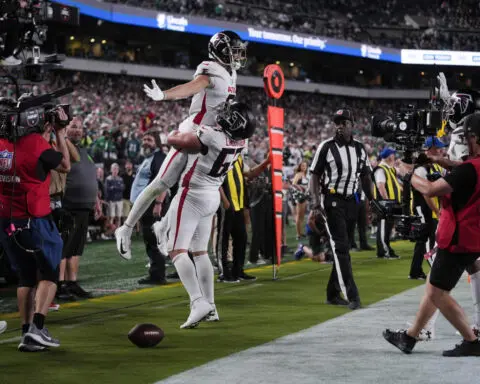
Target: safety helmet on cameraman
x=228, y=49
x=237, y=121
x=462, y=103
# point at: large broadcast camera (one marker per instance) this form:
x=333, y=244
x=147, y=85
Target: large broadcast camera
x=30, y=19
x=30, y=113
x=407, y=130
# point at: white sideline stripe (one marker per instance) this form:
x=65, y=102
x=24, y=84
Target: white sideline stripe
x=353, y=351
x=251, y=286
x=11, y=340
x=71, y=326
x=171, y=305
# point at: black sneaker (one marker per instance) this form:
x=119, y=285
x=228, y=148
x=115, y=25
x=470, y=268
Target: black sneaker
x=400, y=339
x=393, y=256
x=27, y=344
x=465, y=348
x=355, y=304
x=78, y=291
x=422, y=276
x=63, y=293
x=173, y=276
x=149, y=281
x=244, y=276
x=227, y=279
x=337, y=301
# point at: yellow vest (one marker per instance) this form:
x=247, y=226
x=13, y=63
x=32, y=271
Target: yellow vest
x=391, y=185
x=236, y=188
x=434, y=168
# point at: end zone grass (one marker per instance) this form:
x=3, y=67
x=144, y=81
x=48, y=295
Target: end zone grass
x=95, y=348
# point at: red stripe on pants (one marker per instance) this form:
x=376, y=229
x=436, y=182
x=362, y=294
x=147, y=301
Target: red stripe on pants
x=185, y=185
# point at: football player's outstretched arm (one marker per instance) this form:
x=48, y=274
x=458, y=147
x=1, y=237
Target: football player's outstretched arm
x=187, y=142
x=181, y=91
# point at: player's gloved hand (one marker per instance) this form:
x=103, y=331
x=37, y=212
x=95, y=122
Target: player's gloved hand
x=155, y=93
x=444, y=93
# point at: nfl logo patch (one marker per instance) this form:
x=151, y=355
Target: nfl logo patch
x=5, y=160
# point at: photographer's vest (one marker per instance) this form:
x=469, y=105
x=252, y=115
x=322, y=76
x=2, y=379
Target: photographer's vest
x=466, y=222
x=22, y=194
x=417, y=198
x=391, y=184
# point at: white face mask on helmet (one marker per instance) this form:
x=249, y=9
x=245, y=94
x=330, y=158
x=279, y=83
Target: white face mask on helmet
x=458, y=149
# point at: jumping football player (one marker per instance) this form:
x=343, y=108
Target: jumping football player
x=214, y=84
x=197, y=201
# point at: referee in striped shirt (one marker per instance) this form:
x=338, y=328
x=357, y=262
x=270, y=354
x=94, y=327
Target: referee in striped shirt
x=338, y=165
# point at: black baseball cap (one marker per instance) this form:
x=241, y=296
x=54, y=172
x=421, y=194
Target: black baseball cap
x=343, y=114
x=471, y=124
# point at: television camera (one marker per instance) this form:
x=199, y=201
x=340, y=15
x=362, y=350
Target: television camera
x=407, y=130
x=28, y=20
x=30, y=113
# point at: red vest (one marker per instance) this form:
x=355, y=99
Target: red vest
x=466, y=221
x=22, y=194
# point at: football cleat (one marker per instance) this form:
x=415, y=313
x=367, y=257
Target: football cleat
x=123, y=236
x=160, y=229
x=213, y=315
x=199, y=310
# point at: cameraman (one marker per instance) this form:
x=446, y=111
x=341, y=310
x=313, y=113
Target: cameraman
x=428, y=208
x=387, y=187
x=28, y=233
x=10, y=26
x=458, y=246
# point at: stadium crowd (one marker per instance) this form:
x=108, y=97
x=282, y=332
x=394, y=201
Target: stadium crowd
x=115, y=114
x=352, y=20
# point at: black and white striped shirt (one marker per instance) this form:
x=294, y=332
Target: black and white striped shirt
x=341, y=164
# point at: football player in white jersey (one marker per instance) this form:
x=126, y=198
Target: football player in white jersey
x=214, y=83
x=212, y=153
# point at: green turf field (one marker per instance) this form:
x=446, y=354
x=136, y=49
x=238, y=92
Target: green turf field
x=93, y=333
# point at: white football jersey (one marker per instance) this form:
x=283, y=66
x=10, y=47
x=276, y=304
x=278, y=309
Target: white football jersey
x=208, y=169
x=206, y=103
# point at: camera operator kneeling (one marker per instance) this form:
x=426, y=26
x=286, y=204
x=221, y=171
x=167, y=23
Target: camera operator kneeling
x=27, y=230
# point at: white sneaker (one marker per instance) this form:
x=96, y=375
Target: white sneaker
x=213, y=316
x=426, y=334
x=3, y=326
x=261, y=261
x=123, y=236
x=10, y=61
x=199, y=310
x=160, y=228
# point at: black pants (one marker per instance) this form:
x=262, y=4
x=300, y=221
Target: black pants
x=261, y=216
x=384, y=231
x=362, y=224
x=351, y=224
x=339, y=211
x=231, y=223
x=421, y=248
x=157, y=260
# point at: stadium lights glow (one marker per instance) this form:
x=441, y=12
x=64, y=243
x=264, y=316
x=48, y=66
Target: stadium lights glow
x=422, y=73
x=72, y=37
x=461, y=74
x=277, y=62
x=292, y=64
x=92, y=40
x=104, y=41
x=360, y=72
